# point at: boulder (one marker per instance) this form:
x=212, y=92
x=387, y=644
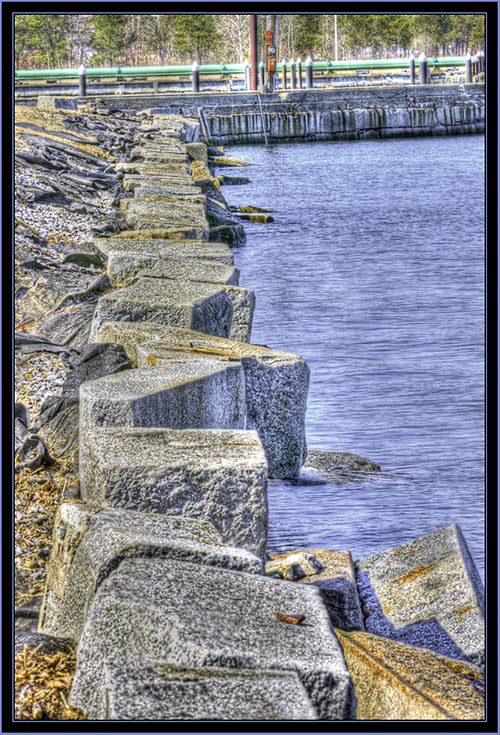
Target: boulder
x=276, y=383
x=332, y=572
x=148, y=690
x=195, y=394
x=79, y=563
x=198, y=616
x=124, y=265
x=427, y=593
x=192, y=249
x=218, y=476
x=395, y=681
x=189, y=304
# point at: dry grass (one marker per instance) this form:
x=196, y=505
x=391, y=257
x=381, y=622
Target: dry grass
x=42, y=685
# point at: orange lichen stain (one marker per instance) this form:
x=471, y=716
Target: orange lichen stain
x=412, y=553
x=415, y=573
x=460, y=613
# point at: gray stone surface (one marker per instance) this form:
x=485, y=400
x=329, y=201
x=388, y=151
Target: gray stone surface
x=171, y=198
x=195, y=394
x=144, y=690
x=276, y=388
x=276, y=382
x=189, y=304
x=201, y=616
x=84, y=554
x=124, y=265
x=196, y=249
x=427, y=593
x=243, y=308
x=156, y=215
x=218, y=476
x=132, y=181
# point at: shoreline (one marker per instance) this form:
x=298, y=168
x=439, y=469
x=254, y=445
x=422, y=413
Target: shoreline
x=234, y=372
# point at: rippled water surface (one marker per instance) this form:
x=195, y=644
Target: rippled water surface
x=373, y=272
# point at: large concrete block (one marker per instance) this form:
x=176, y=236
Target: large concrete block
x=148, y=690
x=132, y=181
x=276, y=391
x=155, y=215
x=426, y=593
x=276, y=382
x=395, y=681
x=124, y=265
x=201, y=616
x=83, y=555
x=217, y=476
x=332, y=572
x=192, y=249
x=243, y=300
x=199, y=394
x=172, y=198
x=203, y=307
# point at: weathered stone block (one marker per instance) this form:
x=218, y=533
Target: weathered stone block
x=124, y=265
x=170, y=199
x=200, y=616
x=332, y=572
x=132, y=181
x=426, y=593
x=243, y=300
x=143, y=690
x=218, y=476
x=276, y=383
x=394, y=681
x=192, y=249
x=155, y=215
x=189, y=304
x=199, y=394
x=197, y=151
x=80, y=563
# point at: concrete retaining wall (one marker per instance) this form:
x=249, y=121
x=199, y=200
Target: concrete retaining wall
x=317, y=114
x=159, y=573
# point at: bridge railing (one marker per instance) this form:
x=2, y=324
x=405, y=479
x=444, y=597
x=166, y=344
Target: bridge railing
x=225, y=70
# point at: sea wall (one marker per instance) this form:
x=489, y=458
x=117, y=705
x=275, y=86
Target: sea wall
x=159, y=571
x=333, y=114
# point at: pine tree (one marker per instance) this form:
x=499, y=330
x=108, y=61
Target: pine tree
x=110, y=39
x=48, y=35
x=196, y=35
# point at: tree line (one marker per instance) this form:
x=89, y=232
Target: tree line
x=68, y=40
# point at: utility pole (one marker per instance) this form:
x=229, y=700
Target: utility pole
x=254, y=54
x=271, y=51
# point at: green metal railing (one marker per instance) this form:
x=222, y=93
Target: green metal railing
x=225, y=70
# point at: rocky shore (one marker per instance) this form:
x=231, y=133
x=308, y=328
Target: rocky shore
x=147, y=426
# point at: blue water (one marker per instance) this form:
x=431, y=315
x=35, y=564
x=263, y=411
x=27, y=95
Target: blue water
x=373, y=271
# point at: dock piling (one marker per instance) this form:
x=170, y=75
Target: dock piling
x=423, y=68
x=196, y=76
x=82, y=77
x=412, y=69
x=283, y=74
x=293, y=75
x=309, y=73
x=299, y=72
